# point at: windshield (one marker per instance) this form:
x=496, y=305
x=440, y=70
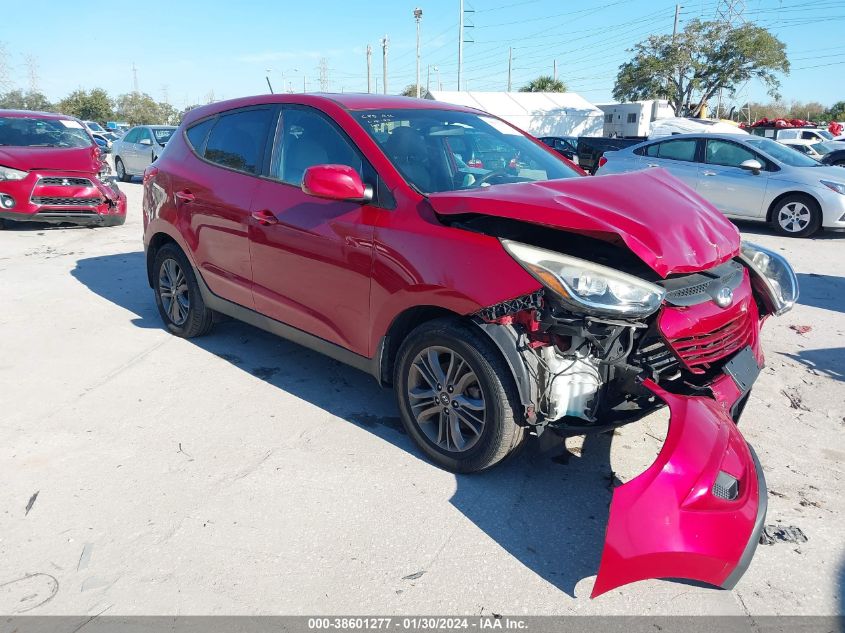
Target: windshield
x=33, y=132
x=446, y=150
x=822, y=148
x=163, y=134
x=826, y=134
x=94, y=126
x=781, y=153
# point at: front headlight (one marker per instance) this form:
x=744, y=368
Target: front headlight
x=585, y=286
x=7, y=173
x=838, y=187
x=774, y=271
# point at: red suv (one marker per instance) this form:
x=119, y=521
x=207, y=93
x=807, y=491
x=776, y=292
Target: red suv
x=497, y=301
x=51, y=170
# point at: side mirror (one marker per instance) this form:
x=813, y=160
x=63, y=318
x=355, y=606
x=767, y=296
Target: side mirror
x=336, y=182
x=751, y=165
x=145, y=141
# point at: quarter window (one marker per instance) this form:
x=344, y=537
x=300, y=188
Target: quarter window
x=196, y=134
x=237, y=140
x=727, y=153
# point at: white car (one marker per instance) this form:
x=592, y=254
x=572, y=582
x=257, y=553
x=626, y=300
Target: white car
x=746, y=177
x=813, y=149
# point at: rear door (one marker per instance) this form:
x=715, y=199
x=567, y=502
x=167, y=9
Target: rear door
x=678, y=156
x=733, y=190
x=311, y=257
x=126, y=150
x=142, y=154
x=215, y=195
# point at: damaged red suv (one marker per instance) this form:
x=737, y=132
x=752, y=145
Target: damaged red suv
x=52, y=171
x=498, y=301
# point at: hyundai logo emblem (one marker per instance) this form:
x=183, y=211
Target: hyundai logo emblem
x=724, y=297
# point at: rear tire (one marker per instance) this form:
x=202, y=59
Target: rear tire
x=178, y=295
x=457, y=397
x=796, y=215
x=120, y=170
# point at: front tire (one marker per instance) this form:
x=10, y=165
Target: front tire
x=178, y=296
x=457, y=397
x=796, y=215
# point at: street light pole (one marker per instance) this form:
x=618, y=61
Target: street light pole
x=460, y=42
x=418, y=19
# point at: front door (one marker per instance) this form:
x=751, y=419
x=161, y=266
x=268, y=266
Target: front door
x=731, y=189
x=312, y=258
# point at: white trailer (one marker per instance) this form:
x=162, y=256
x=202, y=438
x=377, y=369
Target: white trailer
x=633, y=119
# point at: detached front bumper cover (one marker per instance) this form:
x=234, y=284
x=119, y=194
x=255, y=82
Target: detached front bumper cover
x=671, y=521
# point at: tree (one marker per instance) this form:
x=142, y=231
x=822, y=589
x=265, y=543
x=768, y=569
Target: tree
x=544, y=83
x=691, y=68
x=138, y=108
x=19, y=100
x=185, y=111
x=411, y=91
x=93, y=105
x=837, y=111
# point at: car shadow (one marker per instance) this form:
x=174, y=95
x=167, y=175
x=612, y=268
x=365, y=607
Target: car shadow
x=830, y=362
x=752, y=227
x=821, y=291
x=546, y=506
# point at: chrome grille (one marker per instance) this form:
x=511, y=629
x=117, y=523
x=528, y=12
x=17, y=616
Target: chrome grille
x=51, y=201
x=65, y=182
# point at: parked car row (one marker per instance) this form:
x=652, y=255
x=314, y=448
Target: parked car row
x=500, y=294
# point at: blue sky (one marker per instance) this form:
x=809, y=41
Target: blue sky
x=189, y=50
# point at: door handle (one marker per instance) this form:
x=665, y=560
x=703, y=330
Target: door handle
x=709, y=173
x=185, y=196
x=264, y=217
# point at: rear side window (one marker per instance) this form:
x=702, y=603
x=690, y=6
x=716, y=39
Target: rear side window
x=196, y=134
x=682, y=149
x=237, y=140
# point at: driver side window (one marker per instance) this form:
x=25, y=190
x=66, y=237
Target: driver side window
x=307, y=139
x=132, y=135
x=727, y=154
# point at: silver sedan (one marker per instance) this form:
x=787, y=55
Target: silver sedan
x=139, y=147
x=746, y=177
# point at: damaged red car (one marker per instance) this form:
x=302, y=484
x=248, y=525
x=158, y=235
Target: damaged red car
x=498, y=301
x=51, y=170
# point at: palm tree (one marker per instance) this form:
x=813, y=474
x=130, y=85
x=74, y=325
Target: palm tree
x=544, y=83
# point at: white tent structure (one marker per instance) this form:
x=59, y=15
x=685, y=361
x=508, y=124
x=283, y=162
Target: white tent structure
x=538, y=113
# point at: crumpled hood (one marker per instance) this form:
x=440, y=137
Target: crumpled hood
x=661, y=220
x=82, y=159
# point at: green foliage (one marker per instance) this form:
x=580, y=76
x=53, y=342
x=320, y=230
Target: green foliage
x=185, y=111
x=19, y=100
x=837, y=111
x=411, y=91
x=544, y=83
x=89, y=105
x=690, y=69
x=138, y=108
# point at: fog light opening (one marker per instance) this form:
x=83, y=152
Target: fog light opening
x=726, y=487
x=7, y=202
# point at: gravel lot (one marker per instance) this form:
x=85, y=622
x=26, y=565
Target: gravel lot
x=241, y=474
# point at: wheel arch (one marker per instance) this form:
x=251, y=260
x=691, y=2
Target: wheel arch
x=156, y=242
x=786, y=194
x=402, y=325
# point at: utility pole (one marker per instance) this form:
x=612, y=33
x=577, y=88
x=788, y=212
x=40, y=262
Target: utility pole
x=510, y=64
x=134, y=78
x=460, y=42
x=677, y=16
x=304, y=83
x=32, y=72
x=554, y=69
x=729, y=12
x=369, y=69
x=324, y=74
x=384, y=43
x=418, y=19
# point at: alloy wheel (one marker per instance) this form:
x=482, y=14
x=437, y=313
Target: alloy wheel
x=173, y=290
x=446, y=399
x=794, y=217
